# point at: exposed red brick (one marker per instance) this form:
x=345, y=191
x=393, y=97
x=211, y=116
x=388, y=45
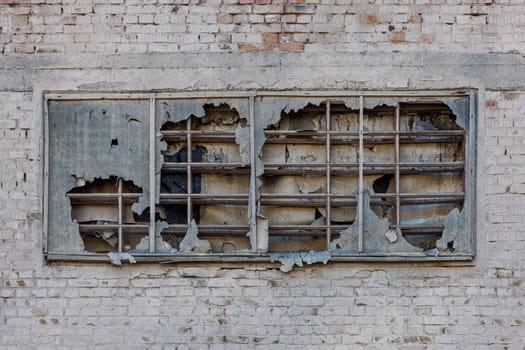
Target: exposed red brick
x=270, y=38
x=397, y=37
x=20, y=20
x=415, y=19
x=491, y=104
x=252, y=48
x=225, y=19
x=69, y=20
x=290, y=47
x=369, y=19
x=244, y=2
x=427, y=38
x=295, y=2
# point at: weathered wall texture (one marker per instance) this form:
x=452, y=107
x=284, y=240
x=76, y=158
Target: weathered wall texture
x=263, y=44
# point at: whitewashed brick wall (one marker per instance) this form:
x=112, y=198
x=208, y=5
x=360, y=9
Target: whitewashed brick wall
x=63, y=44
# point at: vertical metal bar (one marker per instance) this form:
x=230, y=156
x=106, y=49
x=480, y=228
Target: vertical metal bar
x=152, y=176
x=469, y=204
x=397, y=175
x=361, y=160
x=189, y=184
x=120, y=210
x=252, y=195
x=46, y=175
x=328, y=183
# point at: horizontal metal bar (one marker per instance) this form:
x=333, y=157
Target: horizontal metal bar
x=197, y=133
x=206, y=201
x=293, y=169
x=367, y=140
x=421, y=227
x=202, y=195
x=202, y=139
x=209, y=230
x=366, y=133
x=200, y=226
x=103, y=195
x=111, y=226
x=420, y=195
x=307, y=227
x=90, y=95
x=205, y=165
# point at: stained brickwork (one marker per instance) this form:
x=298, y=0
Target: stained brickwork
x=252, y=44
x=120, y=26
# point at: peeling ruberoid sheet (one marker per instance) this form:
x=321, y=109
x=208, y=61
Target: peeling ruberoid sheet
x=91, y=140
x=377, y=237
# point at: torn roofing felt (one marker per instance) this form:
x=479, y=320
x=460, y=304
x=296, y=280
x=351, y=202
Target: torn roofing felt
x=82, y=145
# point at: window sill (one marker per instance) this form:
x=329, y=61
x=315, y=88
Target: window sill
x=446, y=260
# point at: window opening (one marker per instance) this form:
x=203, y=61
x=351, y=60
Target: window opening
x=102, y=208
x=348, y=176
x=210, y=184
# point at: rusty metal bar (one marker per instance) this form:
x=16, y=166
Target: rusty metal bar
x=120, y=211
x=189, y=183
x=197, y=165
x=328, y=184
x=45, y=198
x=197, y=133
x=103, y=195
x=101, y=227
x=368, y=164
x=361, y=162
x=152, y=175
x=202, y=195
x=397, y=170
x=206, y=201
x=350, y=201
x=369, y=170
x=373, y=133
x=470, y=168
x=368, y=140
x=202, y=139
x=252, y=203
x=378, y=195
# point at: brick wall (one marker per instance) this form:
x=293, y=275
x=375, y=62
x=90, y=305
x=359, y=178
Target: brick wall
x=120, y=26
x=247, y=44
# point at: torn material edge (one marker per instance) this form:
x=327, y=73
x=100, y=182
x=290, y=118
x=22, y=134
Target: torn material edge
x=117, y=258
x=289, y=260
x=191, y=242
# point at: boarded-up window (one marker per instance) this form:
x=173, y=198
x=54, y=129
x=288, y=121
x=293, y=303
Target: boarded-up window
x=180, y=177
